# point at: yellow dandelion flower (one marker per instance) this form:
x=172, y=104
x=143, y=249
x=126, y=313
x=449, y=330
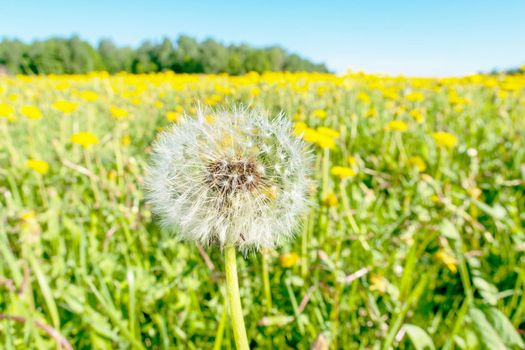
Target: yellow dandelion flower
x=40, y=166
x=84, y=139
x=449, y=260
x=396, y=125
x=415, y=96
x=328, y=132
x=418, y=163
x=118, y=113
x=299, y=128
x=289, y=259
x=173, y=116
x=325, y=141
x=254, y=92
x=364, y=97
x=7, y=112
x=445, y=139
x=310, y=135
x=319, y=113
x=66, y=107
x=372, y=112
x=330, y=200
x=89, y=96
x=31, y=112
x=125, y=140
x=342, y=172
x=352, y=160
x=417, y=115
x=158, y=104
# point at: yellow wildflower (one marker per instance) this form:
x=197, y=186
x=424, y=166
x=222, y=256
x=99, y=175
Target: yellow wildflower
x=40, y=166
x=445, y=139
x=418, y=163
x=66, y=107
x=415, y=96
x=125, y=140
x=172, y=116
x=325, y=141
x=118, y=113
x=310, y=135
x=372, y=112
x=319, y=113
x=449, y=260
x=417, y=115
x=352, y=160
x=363, y=97
x=89, y=96
x=158, y=104
x=330, y=200
x=299, y=128
x=396, y=125
x=328, y=132
x=342, y=172
x=288, y=259
x=7, y=111
x=31, y=112
x=84, y=139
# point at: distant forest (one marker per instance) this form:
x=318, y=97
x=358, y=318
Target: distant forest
x=184, y=55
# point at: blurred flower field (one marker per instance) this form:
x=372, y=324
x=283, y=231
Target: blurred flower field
x=415, y=240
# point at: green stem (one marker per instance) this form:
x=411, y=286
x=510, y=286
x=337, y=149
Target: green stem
x=234, y=299
x=266, y=280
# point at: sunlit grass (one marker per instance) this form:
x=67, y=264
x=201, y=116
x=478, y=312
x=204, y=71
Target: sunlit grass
x=417, y=235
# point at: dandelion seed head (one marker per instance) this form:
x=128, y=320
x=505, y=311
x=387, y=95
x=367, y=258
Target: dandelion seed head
x=241, y=179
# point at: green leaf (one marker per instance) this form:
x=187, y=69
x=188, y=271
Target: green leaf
x=488, y=336
x=488, y=291
x=504, y=327
x=419, y=337
x=448, y=230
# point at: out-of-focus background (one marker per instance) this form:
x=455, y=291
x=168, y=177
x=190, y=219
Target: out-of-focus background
x=415, y=113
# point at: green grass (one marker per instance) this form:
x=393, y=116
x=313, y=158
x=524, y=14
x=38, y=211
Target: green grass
x=82, y=261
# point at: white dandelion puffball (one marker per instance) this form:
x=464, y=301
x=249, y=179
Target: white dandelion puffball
x=230, y=178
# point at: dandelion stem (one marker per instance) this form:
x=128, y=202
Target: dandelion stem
x=234, y=299
x=266, y=279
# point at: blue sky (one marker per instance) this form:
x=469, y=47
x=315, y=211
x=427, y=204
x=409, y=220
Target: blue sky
x=432, y=38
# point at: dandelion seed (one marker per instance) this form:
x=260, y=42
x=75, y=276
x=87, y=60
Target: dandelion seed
x=241, y=180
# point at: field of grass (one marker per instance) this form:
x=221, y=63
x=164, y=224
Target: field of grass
x=416, y=239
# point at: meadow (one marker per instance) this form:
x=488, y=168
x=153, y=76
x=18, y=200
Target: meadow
x=415, y=239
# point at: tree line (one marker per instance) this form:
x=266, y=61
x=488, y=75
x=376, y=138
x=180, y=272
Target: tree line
x=184, y=55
